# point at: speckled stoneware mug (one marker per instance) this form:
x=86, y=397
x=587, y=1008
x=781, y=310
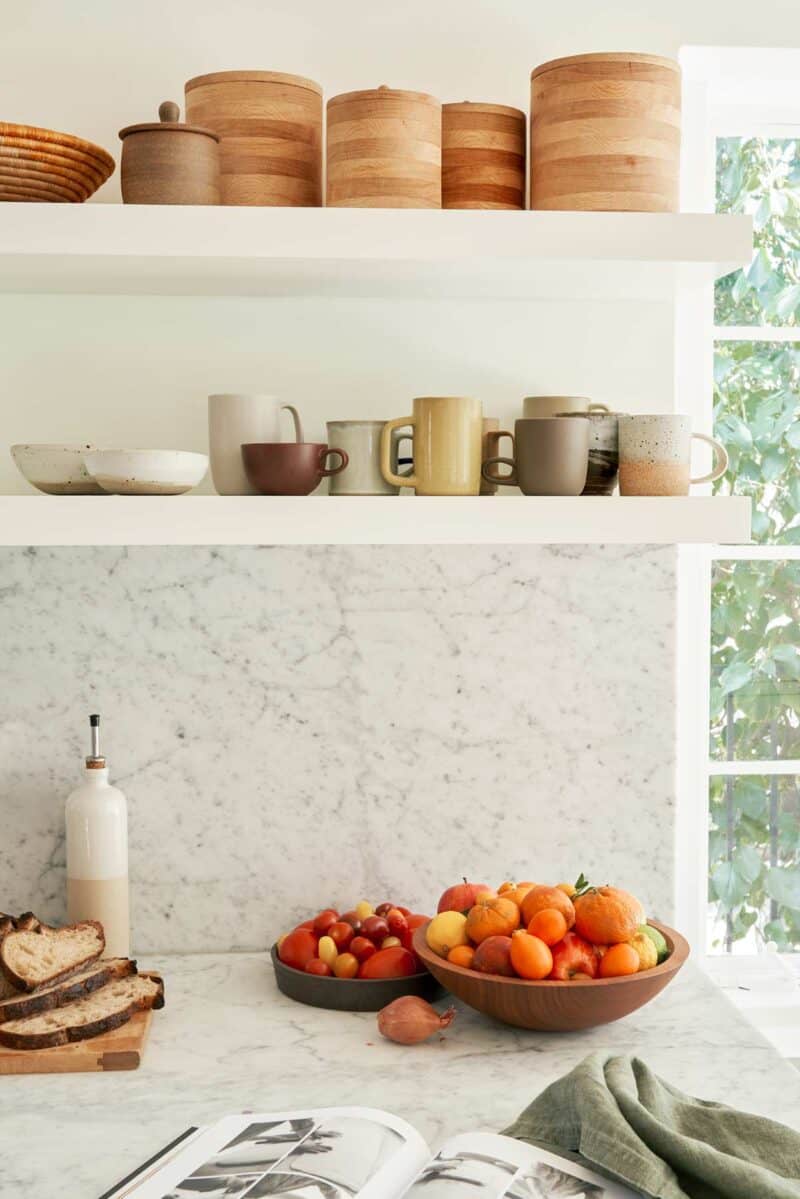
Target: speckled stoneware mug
x=655, y=455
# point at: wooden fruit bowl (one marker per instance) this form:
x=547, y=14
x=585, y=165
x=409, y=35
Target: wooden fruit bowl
x=550, y=1005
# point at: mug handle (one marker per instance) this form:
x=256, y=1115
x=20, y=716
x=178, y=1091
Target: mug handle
x=387, y=446
x=298, y=427
x=596, y=406
x=510, y=480
x=335, y=470
x=720, y=464
x=397, y=437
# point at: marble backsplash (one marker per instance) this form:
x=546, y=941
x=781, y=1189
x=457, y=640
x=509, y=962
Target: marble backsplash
x=299, y=726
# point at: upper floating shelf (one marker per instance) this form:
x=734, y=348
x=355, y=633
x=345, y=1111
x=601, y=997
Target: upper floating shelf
x=381, y=520
x=165, y=250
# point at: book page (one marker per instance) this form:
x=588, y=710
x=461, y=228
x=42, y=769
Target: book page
x=332, y=1153
x=485, y=1166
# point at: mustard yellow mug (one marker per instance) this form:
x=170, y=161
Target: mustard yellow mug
x=448, y=433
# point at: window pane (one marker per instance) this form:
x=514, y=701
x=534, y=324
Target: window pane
x=757, y=418
x=761, y=177
x=754, y=863
x=755, y=660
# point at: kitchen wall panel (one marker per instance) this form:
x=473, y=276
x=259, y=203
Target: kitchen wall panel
x=299, y=726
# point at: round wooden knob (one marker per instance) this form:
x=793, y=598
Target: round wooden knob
x=169, y=112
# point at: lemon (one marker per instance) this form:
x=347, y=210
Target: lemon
x=662, y=949
x=446, y=931
x=645, y=948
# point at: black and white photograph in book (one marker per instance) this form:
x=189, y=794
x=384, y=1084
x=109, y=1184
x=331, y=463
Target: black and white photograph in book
x=220, y=1187
x=457, y=1175
x=296, y=1186
x=542, y=1181
x=345, y=1150
x=257, y=1148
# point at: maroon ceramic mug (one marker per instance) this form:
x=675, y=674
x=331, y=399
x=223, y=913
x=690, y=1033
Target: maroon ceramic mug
x=290, y=467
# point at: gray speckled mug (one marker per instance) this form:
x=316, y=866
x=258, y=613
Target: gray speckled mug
x=655, y=455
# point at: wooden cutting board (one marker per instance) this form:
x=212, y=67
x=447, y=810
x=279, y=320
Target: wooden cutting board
x=121, y=1049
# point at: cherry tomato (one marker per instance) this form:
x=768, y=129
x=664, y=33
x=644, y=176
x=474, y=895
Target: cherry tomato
x=327, y=950
x=407, y=939
x=415, y=920
x=376, y=928
x=341, y=934
x=362, y=948
x=389, y=963
x=353, y=919
x=383, y=908
x=388, y=942
x=405, y=911
x=306, y=924
x=298, y=948
x=363, y=909
x=317, y=966
x=324, y=920
x=396, y=921
x=345, y=966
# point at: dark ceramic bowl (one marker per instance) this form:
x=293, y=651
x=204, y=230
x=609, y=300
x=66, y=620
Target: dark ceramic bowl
x=350, y=994
x=552, y=1005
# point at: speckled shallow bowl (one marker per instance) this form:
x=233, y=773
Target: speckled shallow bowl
x=350, y=994
x=56, y=469
x=551, y=1005
x=146, y=472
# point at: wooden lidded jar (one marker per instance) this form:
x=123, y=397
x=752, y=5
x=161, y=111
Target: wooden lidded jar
x=165, y=162
x=483, y=156
x=606, y=133
x=270, y=129
x=384, y=150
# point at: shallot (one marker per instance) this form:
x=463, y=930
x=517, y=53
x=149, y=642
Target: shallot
x=409, y=1020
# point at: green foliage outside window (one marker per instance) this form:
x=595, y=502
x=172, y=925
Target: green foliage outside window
x=754, y=837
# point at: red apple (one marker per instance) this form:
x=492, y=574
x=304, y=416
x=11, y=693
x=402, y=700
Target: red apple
x=573, y=957
x=462, y=896
x=493, y=956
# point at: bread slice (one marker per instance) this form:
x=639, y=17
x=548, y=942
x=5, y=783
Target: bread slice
x=7, y=924
x=19, y=1005
x=27, y=921
x=31, y=958
x=109, y=1008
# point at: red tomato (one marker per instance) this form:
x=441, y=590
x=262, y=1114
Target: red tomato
x=397, y=922
x=345, y=966
x=342, y=934
x=298, y=948
x=383, y=908
x=324, y=920
x=407, y=939
x=376, y=928
x=317, y=966
x=353, y=919
x=306, y=924
x=362, y=948
x=405, y=911
x=415, y=920
x=389, y=963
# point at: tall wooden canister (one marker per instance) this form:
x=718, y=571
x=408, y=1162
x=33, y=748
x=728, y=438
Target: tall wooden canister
x=483, y=156
x=605, y=133
x=270, y=128
x=384, y=150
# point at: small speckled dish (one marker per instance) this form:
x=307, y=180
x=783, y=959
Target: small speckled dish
x=56, y=469
x=146, y=472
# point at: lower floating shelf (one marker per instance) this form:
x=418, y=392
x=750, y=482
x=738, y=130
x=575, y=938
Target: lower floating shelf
x=372, y=520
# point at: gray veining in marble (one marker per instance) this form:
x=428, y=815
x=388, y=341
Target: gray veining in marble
x=227, y=1041
x=295, y=726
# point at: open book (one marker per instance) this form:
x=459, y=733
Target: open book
x=337, y=1152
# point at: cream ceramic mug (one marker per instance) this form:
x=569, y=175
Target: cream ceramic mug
x=655, y=455
x=447, y=446
x=361, y=440
x=536, y=407
x=234, y=419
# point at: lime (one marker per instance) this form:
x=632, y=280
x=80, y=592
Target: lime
x=662, y=949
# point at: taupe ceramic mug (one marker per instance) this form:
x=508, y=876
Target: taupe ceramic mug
x=536, y=407
x=551, y=457
x=447, y=446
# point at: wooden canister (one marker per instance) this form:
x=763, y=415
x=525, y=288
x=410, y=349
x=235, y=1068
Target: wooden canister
x=605, y=133
x=164, y=162
x=384, y=150
x=483, y=156
x=270, y=128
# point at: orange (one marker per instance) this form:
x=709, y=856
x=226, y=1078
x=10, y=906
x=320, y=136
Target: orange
x=492, y=916
x=617, y=960
x=530, y=957
x=461, y=955
x=549, y=925
x=547, y=897
x=607, y=915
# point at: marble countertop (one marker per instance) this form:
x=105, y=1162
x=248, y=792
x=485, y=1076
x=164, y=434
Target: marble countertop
x=227, y=1041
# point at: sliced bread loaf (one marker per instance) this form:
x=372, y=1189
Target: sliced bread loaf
x=106, y=1009
x=31, y=958
x=19, y=1005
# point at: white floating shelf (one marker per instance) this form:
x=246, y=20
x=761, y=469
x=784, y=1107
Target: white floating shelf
x=384, y=520
x=170, y=250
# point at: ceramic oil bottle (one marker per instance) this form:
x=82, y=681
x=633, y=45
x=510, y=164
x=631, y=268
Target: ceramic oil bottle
x=97, y=852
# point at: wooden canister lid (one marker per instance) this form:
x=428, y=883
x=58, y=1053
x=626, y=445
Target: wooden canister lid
x=169, y=122
x=254, y=77
x=651, y=60
x=501, y=110
x=385, y=93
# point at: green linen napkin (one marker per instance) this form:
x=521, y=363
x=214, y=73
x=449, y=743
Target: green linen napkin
x=615, y=1114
